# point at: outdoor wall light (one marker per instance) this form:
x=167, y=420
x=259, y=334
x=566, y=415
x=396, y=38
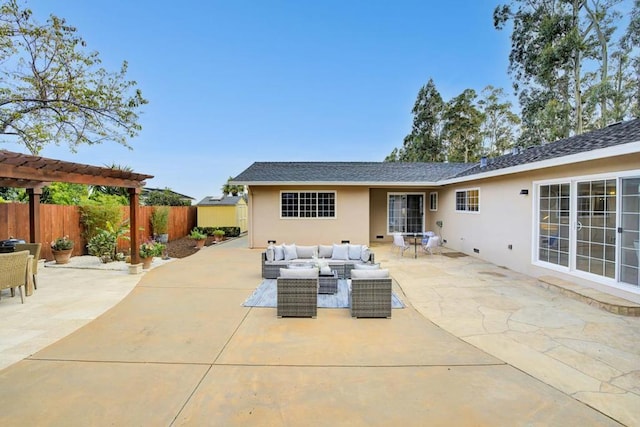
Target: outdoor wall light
x=346, y=241
x=271, y=242
x=524, y=192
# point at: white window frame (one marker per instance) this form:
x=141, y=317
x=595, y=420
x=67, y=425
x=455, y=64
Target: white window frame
x=466, y=210
x=402, y=193
x=571, y=270
x=433, y=200
x=298, y=212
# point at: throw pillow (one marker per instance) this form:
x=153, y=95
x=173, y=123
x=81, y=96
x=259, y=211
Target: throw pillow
x=299, y=273
x=290, y=252
x=355, y=251
x=325, y=251
x=271, y=254
x=306, y=251
x=325, y=269
x=340, y=252
x=278, y=252
x=366, y=253
x=370, y=274
x=366, y=266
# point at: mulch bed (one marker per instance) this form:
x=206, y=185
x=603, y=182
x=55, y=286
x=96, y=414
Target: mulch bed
x=183, y=247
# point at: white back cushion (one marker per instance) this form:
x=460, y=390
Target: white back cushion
x=325, y=251
x=290, y=252
x=278, y=252
x=306, y=251
x=366, y=266
x=370, y=274
x=299, y=273
x=340, y=252
x=355, y=251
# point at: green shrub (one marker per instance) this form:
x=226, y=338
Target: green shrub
x=104, y=243
x=95, y=217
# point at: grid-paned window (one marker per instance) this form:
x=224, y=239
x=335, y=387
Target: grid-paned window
x=468, y=200
x=553, y=223
x=433, y=201
x=308, y=204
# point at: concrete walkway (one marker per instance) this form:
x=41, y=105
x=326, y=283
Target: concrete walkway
x=477, y=345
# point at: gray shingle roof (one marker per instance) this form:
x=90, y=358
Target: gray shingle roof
x=417, y=173
x=353, y=172
x=615, y=134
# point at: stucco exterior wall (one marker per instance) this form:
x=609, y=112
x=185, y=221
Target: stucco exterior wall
x=506, y=217
x=378, y=215
x=351, y=222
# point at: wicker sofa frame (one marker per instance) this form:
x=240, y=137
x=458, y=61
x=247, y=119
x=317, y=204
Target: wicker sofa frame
x=297, y=297
x=370, y=297
x=271, y=270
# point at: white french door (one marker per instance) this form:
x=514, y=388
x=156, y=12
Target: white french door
x=591, y=227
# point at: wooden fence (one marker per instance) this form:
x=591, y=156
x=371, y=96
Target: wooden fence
x=58, y=220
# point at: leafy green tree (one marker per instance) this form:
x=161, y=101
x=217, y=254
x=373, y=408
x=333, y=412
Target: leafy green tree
x=230, y=189
x=498, y=128
x=53, y=91
x=462, y=128
x=64, y=193
x=164, y=198
x=8, y=194
x=424, y=143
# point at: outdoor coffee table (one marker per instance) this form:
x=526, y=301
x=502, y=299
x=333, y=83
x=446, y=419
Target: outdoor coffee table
x=328, y=283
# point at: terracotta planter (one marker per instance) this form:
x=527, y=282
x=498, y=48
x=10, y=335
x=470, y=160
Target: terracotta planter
x=146, y=262
x=62, y=256
x=200, y=243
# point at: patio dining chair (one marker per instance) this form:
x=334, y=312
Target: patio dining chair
x=433, y=245
x=34, y=249
x=399, y=244
x=13, y=271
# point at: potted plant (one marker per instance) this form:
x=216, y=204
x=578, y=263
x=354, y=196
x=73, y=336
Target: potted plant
x=104, y=244
x=160, y=223
x=61, y=249
x=148, y=250
x=218, y=235
x=198, y=236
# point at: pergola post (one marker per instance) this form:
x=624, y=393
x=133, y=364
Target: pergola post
x=34, y=213
x=134, y=200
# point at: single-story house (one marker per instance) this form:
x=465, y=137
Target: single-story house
x=570, y=208
x=225, y=211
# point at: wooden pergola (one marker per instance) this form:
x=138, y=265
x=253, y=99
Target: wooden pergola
x=33, y=173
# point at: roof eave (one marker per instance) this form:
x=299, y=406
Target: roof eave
x=338, y=183
x=602, y=153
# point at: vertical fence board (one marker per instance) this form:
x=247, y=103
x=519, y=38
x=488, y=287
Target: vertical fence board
x=58, y=221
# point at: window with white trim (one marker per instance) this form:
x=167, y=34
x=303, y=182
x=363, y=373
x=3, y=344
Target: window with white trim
x=433, y=201
x=308, y=204
x=468, y=200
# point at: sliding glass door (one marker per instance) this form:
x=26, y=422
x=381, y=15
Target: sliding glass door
x=630, y=232
x=405, y=213
x=591, y=226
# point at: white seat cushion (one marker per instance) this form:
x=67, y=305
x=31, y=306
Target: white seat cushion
x=370, y=274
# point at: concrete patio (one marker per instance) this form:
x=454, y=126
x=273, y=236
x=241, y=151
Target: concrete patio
x=476, y=345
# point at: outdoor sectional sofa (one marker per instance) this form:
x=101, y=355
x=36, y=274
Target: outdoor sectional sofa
x=341, y=258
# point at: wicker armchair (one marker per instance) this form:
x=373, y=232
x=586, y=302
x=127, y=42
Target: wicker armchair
x=370, y=294
x=297, y=293
x=34, y=249
x=14, y=271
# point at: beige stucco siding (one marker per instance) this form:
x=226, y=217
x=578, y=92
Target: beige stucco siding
x=351, y=221
x=506, y=217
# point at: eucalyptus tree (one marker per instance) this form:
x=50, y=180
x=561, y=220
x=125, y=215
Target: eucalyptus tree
x=500, y=123
x=462, y=128
x=54, y=91
x=424, y=143
x=561, y=58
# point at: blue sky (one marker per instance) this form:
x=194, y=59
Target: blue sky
x=234, y=82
